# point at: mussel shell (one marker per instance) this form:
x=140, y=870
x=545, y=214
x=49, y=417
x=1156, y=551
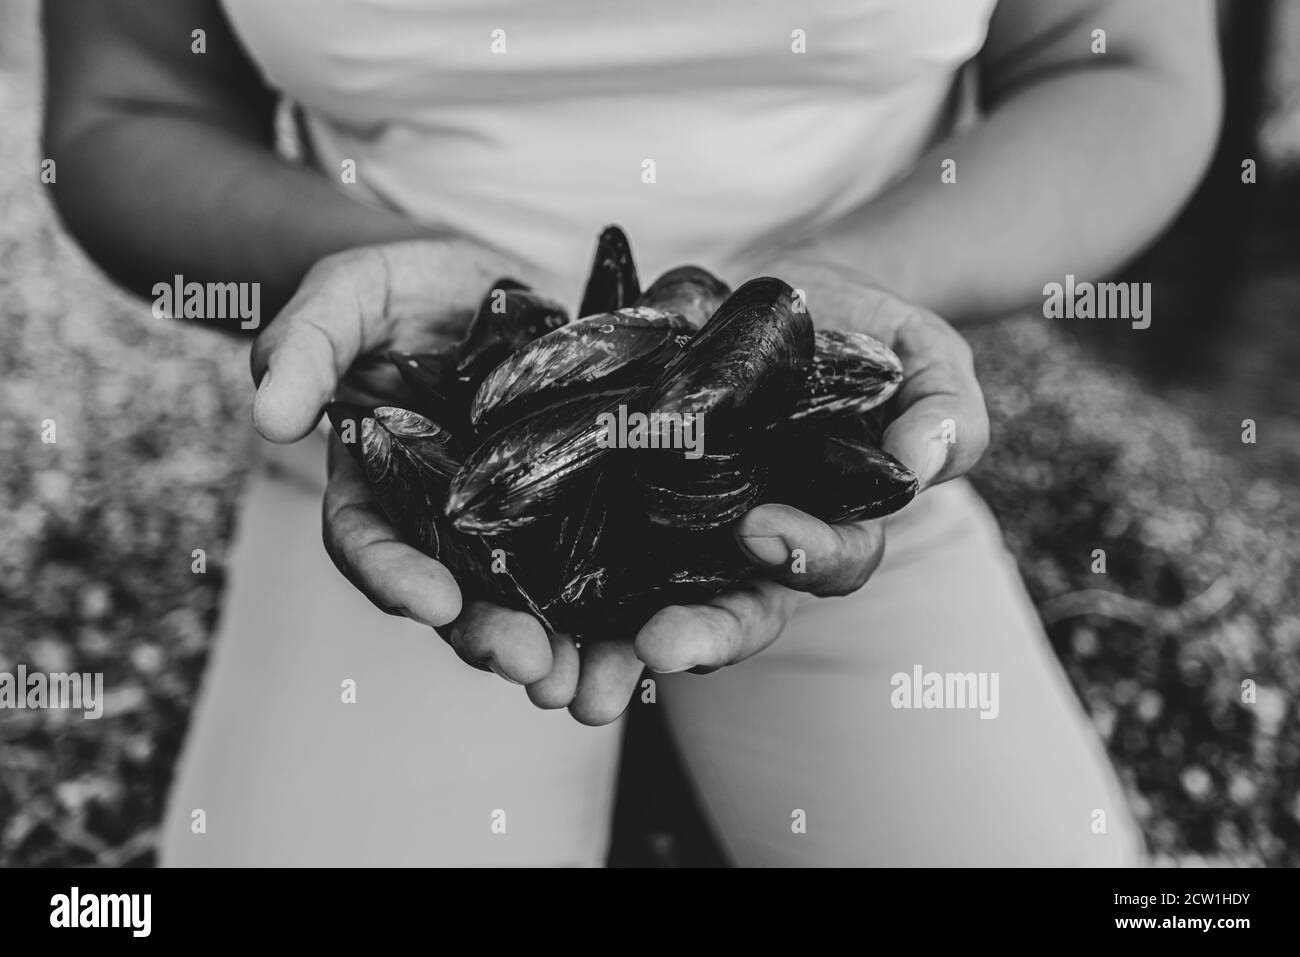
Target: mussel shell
x=840, y=477
x=559, y=548
x=578, y=547
x=744, y=369
x=490, y=569
x=851, y=374
x=689, y=291
x=527, y=470
x=668, y=569
x=612, y=283
x=867, y=427
x=409, y=462
x=604, y=350
x=712, y=491
x=510, y=316
x=436, y=390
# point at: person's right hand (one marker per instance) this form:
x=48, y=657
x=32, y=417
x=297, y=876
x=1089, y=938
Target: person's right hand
x=329, y=341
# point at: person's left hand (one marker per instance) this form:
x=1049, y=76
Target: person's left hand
x=939, y=397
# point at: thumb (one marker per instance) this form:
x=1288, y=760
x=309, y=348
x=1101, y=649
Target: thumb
x=337, y=314
x=808, y=555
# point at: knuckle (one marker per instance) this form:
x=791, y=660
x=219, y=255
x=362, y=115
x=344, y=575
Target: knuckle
x=333, y=265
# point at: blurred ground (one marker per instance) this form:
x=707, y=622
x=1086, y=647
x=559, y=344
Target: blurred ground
x=97, y=530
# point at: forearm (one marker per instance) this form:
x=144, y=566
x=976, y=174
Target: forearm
x=1075, y=173
x=151, y=196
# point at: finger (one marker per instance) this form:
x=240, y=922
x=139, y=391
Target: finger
x=943, y=427
x=338, y=313
x=809, y=555
x=606, y=681
x=722, y=631
x=511, y=643
x=368, y=551
x=557, y=688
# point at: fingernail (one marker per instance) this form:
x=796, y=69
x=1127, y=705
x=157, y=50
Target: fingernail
x=266, y=381
x=674, y=671
x=935, y=460
x=768, y=549
x=501, y=674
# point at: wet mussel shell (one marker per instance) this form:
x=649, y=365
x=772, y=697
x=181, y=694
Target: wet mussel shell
x=851, y=374
x=691, y=292
x=527, y=470
x=409, y=462
x=622, y=587
x=695, y=494
x=607, y=350
x=436, y=390
x=582, y=550
x=839, y=475
x=744, y=370
x=612, y=283
x=491, y=569
x=510, y=316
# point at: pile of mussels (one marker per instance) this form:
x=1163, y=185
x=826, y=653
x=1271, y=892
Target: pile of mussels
x=502, y=464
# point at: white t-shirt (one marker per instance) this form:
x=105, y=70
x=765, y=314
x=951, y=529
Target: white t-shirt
x=695, y=124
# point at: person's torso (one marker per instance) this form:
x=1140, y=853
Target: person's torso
x=695, y=124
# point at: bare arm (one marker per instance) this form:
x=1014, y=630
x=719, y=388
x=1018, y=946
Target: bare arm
x=1081, y=160
x=165, y=158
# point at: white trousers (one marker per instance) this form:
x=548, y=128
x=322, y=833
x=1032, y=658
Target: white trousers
x=799, y=755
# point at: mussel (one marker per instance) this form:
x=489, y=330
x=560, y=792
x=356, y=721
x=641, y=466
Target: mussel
x=837, y=475
x=409, y=462
x=582, y=548
x=525, y=471
x=605, y=350
x=743, y=371
x=612, y=283
x=689, y=291
x=851, y=373
x=511, y=315
x=436, y=389
x=695, y=494
x=621, y=588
